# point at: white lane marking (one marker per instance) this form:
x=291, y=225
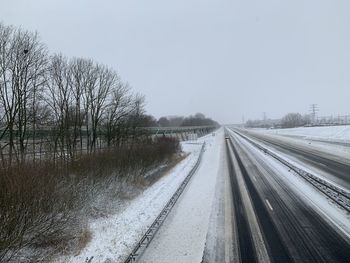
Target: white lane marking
x=322, y=164
x=254, y=178
x=268, y=204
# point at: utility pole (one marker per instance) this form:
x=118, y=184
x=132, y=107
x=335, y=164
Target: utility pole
x=313, y=109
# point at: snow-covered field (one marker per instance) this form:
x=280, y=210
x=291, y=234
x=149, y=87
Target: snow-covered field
x=326, y=133
x=114, y=237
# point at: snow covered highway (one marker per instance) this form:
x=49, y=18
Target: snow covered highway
x=174, y=131
x=242, y=205
x=298, y=223
x=335, y=164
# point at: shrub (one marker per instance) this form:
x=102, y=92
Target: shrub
x=41, y=204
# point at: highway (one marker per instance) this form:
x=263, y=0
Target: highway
x=293, y=230
x=337, y=169
x=243, y=205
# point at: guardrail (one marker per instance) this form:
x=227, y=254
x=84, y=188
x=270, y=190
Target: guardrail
x=181, y=128
x=200, y=130
x=338, y=195
x=152, y=230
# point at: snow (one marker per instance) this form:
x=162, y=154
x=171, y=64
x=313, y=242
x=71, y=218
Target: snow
x=324, y=206
x=332, y=151
x=328, y=177
x=336, y=149
x=114, y=237
x=182, y=236
x=326, y=133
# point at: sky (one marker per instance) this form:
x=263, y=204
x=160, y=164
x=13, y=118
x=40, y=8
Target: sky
x=229, y=59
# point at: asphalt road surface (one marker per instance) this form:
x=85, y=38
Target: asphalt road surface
x=338, y=170
x=241, y=207
x=293, y=231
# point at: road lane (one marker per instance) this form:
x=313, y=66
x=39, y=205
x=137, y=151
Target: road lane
x=335, y=169
x=308, y=237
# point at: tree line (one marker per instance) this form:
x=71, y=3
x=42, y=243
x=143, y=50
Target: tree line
x=76, y=103
x=198, y=119
x=290, y=120
x=70, y=137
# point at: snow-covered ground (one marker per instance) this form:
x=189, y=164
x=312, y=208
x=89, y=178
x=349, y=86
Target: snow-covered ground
x=326, y=133
x=114, y=237
x=182, y=237
x=333, y=140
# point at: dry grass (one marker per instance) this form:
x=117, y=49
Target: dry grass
x=43, y=206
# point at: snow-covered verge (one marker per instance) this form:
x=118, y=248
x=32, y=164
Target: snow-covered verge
x=327, y=145
x=182, y=237
x=325, y=133
x=113, y=237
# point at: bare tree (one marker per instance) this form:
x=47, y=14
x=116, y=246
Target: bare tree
x=68, y=101
x=97, y=97
x=59, y=100
x=80, y=100
x=116, y=114
x=23, y=68
x=292, y=120
x=7, y=94
x=80, y=77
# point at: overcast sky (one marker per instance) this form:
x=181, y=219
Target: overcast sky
x=227, y=59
